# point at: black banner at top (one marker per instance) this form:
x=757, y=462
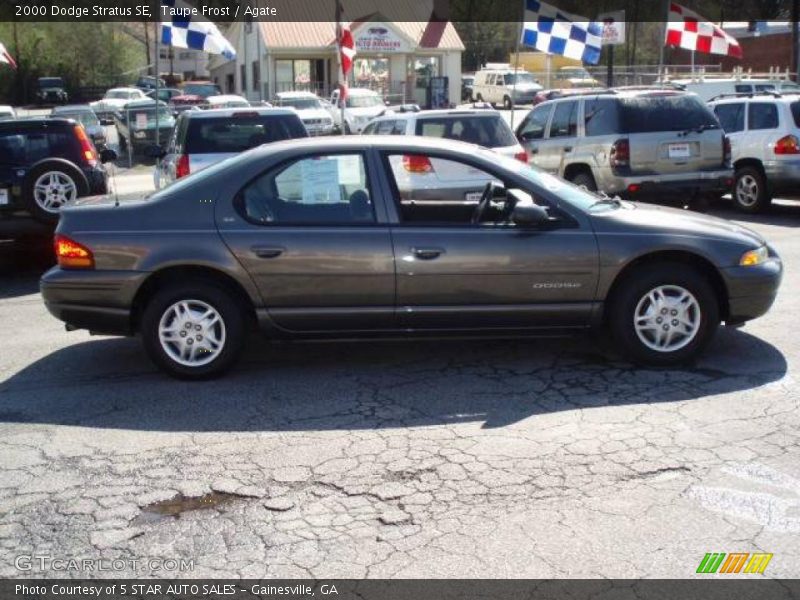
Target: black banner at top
x=509, y=11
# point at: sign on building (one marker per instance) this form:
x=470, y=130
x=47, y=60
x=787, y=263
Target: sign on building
x=377, y=37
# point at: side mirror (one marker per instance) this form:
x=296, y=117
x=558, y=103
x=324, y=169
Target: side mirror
x=155, y=151
x=530, y=215
x=107, y=155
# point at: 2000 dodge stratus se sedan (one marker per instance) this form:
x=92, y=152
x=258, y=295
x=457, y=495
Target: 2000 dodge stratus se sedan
x=317, y=238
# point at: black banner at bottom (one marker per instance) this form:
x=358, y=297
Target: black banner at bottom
x=712, y=588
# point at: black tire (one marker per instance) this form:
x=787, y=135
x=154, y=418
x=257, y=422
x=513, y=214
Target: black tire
x=231, y=314
x=507, y=104
x=622, y=308
x=585, y=179
x=123, y=143
x=479, y=97
x=347, y=128
x=750, y=193
x=61, y=168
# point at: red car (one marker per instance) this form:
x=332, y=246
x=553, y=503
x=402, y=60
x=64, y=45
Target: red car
x=195, y=92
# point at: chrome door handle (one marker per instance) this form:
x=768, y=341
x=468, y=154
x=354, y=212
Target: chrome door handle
x=267, y=251
x=427, y=253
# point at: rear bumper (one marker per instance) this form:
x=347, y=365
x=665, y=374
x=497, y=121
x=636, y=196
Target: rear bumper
x=100, y=301
x=752, y=290
x=783, y=177
x=676, y=184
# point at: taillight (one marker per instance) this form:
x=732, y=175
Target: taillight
x=523, y=156
x=416, y=163
x=72, y=255
x=182, y=166
x=620, y=154
x=88, y=153
x=787, y=145
x=726, y=150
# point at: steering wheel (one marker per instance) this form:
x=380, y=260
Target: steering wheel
x=483, y=204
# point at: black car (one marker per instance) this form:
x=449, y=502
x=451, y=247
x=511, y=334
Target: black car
x=141, y=122
x=44, y=165
x=51, y=90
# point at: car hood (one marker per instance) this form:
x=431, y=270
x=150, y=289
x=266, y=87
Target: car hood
x=643, y=218
x=115, y=102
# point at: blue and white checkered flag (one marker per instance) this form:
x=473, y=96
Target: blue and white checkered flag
x=551, y=30
x=194, y=32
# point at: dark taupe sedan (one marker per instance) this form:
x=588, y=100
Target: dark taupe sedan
x=313, y=238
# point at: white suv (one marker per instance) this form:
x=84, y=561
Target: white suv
x=764, y=130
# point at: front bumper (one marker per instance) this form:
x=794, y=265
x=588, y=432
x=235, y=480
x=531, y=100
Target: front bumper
x=752, y=290
x=315, y=129
x=783, y=177
x=99, y=301
x=683, y=185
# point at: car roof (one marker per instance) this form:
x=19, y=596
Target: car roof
x=227, y=112
x=361, y=92
x=296, y=95
x=123, y=89
x=358, y=143
x=145, y=102
x=226, y=97
x=32, y=121
x=766, y=96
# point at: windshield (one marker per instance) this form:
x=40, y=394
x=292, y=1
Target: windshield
x=363, y=101
x=201, y=89
x=51, y=82
x=646, y=114
x=490, y=131
x=85, y=118
x=239, y=133
x=118, y=94
x=569, y=193
x=164, y=116
x=300, y=103
x=522, y=78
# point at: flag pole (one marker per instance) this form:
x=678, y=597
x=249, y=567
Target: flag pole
x=516, y=66
x=663, y=46
x=341, y=76
x=158, y=77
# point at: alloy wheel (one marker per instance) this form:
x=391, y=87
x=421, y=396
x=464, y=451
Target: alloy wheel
x=667, y=318
x=747, y=190
x=54, y=189
x=192, y=333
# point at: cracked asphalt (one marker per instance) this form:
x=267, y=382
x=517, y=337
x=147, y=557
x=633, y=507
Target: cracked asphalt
x=539, y=459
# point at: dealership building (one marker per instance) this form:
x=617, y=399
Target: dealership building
x=401, y=60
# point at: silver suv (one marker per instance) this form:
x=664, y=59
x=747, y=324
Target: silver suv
x=764, y=130
x=633, y=143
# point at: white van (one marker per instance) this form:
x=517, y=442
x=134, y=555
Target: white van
x=708, y=88
x=494, y=83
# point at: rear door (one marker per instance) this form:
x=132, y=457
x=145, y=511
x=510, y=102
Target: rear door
x=671, y=134
x=318, y=248
x=763, y=125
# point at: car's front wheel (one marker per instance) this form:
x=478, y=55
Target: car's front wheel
x=507, y=104
x=193, y=330
x=663, y=314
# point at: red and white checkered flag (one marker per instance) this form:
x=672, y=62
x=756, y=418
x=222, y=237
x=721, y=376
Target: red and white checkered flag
x=5, y=57
x=686, y=29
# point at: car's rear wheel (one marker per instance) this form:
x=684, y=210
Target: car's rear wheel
x=193, y=330
x=507, y=104
x=750, y=190
x=663, y=314
x=51, y=186
x=584, y=179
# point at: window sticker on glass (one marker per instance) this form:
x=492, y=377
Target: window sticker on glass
x=349, y=169
x=321, y=180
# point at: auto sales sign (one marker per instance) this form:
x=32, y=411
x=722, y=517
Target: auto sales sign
x=377, y=37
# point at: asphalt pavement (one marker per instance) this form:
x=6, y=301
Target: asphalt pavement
x=549, y=458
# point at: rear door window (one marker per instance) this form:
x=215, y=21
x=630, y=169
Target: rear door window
x=601, y=116
x=239, y=133
x=731, y=116
x=534, y=125
x=385, y=127
x=565, y=120
x=796, y=113
x=489, y=131
x=762, y=115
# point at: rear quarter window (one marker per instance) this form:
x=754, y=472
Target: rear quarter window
x=647, y=114
x=762, y=115
x=237, y=134
x=601, y=116
x=26, y=147
x=796, y=113
x=490, y=131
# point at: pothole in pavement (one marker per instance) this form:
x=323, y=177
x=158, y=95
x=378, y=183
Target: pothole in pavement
x=174, y=507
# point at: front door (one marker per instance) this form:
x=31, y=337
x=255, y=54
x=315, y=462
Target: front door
x=456, y=274
x=307, y=233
